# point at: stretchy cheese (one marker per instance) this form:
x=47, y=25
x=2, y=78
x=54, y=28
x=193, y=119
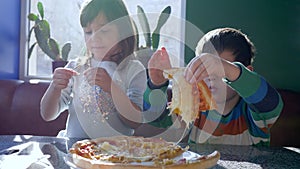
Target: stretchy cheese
x=186, y=101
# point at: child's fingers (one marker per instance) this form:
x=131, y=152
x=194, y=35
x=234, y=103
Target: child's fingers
x=189, y=71
x=164, y=52
x=69, y=71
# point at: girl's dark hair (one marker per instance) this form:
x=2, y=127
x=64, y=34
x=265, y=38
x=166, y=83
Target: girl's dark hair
x=229, y=39
x=113, y=10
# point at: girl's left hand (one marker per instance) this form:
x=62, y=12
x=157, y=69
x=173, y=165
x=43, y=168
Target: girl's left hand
x=99, y=77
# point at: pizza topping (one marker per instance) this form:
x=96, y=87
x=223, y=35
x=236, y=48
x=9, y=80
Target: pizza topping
x=106, y=147
x=85, y=149
x=206, y=100
x=128, y=149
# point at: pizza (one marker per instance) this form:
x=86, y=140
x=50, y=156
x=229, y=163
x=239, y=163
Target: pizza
x=186, y=101
x=126, y=152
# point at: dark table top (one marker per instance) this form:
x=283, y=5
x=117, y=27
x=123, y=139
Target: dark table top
x=231, y=156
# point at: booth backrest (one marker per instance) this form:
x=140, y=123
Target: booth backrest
x=20, y=109
x=286, y=130
x=20, y=113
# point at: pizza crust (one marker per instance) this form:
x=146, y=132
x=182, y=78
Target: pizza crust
x=208, y=161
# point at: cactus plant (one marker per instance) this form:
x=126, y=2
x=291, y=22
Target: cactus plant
x=152, y=40
x=44, y=40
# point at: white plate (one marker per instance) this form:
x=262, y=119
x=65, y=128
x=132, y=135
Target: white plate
x=188, y=155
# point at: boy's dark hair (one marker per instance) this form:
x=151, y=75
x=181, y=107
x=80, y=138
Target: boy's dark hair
x=115, y=11
x=230, y=39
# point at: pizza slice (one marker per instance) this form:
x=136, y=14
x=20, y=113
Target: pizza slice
x=186, y=101
x=206, y=100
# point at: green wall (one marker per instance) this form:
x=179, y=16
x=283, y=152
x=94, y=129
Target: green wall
x=273, y=26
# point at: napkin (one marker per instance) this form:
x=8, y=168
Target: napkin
x=25, y=156
x=24, y=161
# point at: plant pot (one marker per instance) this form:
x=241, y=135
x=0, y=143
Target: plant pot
x=58, y=63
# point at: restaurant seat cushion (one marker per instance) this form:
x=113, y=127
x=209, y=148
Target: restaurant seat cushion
x=285, y=131
x=20, y=109
x=20, y=113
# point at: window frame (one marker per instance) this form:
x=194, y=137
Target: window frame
x=24, y=44
x=24, y=32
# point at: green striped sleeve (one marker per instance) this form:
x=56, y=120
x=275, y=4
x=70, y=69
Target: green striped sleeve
x=247, y=83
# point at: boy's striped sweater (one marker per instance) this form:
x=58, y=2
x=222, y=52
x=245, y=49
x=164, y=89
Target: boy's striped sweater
x=248, y=123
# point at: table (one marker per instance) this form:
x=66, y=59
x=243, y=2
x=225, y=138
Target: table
x=253, y=157
x=231, y=156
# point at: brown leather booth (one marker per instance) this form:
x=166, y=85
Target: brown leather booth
x=20, y=109
x=286, y=130
x=20, y=113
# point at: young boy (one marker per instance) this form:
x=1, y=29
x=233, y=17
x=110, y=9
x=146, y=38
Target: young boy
x=247, y=105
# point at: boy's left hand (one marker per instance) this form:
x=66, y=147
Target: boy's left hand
x=209, y=65
x=204, y=66
x=99, y=77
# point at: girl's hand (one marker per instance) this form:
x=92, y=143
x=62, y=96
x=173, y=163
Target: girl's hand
x=158, y=62
x=99, y=77
x=61, y=77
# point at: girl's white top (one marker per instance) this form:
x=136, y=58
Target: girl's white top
x=92, y=113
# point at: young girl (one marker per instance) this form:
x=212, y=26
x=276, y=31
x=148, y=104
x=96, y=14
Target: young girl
x=103, y=93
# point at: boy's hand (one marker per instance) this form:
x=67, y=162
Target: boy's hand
x=158, y=62
x=209, y=65
x=61, y=77
x=98, y=76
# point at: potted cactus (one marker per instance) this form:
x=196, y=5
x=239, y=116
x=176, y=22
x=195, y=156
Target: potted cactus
x=152, y=39
x=44, y=40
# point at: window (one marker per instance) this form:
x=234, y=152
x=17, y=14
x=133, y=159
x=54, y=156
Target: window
x=65, y=26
